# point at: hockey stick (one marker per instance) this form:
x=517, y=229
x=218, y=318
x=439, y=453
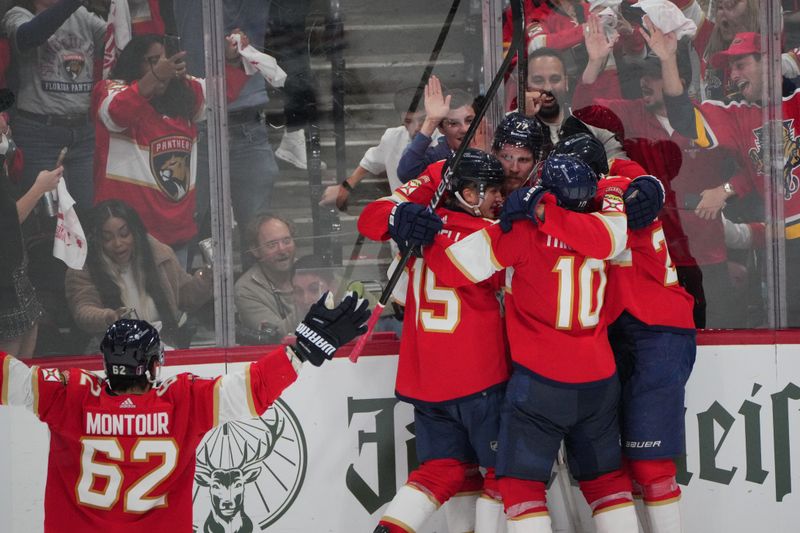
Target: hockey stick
x=516, y=17
x=448, y=22
x=412, y=108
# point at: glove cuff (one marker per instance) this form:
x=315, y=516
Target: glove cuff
x=295, y=358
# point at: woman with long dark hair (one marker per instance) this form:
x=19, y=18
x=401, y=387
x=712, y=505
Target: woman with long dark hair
x=128, y=272
x=145, y=125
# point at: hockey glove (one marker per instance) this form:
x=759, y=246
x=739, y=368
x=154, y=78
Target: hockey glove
x=521, y=204
x=643, y=200
x=413, y=225
x=325, y=327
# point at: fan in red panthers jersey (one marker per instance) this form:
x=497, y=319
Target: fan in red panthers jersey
x=456, y=420
x=122, y=449
x=563, y=368
x=145, y=124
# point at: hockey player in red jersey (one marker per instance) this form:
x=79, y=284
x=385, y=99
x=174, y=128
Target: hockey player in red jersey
x=456, y=400
x=654, y=345
x=122, y=449
x=564, y=383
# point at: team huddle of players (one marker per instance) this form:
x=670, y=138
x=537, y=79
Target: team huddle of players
x=529, y=320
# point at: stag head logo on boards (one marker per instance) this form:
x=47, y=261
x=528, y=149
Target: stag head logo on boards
x=249, y=472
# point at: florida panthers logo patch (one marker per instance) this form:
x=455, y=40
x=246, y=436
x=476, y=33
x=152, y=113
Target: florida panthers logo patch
x=170, y=163
x=73, y=65
x=791, y=157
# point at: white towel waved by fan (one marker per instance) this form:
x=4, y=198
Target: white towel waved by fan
x=255, y=61
x=69, y=244
x=667, y=17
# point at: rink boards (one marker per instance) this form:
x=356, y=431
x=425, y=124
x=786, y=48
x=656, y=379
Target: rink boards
x=341, y=444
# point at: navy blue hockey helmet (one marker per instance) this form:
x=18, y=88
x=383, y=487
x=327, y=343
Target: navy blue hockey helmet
x=518, y=130
x=585, y=147
x=571, y=181
x=475, y=167
x=129, y=347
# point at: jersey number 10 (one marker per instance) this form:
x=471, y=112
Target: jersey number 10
x=589, y=302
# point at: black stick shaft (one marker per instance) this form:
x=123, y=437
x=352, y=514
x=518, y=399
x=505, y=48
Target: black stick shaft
x=516, y=45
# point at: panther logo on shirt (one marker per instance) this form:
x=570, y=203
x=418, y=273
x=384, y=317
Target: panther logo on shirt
x=73, y=65
x=791, y=157
x=170, y=163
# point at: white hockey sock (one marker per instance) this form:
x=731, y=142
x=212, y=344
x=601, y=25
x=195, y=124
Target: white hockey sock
x=489, y=515
x=621, y=519
x=531, y=524
x=664, y=517
x=641, y=514
x=410, y=508
x=460, y=512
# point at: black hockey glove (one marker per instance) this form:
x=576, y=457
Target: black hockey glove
x=521, y=204
x=413, y=225
x=643, y=200
x=325, y=328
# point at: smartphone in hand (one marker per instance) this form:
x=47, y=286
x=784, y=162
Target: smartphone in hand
x=172, y=45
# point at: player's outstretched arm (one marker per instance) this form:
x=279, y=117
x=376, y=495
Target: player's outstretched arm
x=17, y=383
x=324, y=329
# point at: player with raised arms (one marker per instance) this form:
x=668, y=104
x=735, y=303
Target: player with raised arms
x=122, y=448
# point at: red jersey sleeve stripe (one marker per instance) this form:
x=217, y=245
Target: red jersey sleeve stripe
x=35, y=389
x=215, y=412
x=249, y=392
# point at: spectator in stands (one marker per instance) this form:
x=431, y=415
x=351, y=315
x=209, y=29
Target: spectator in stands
x=384, y=157
x=265, y=294
x=129, y=273
x=146, y=132
x=56, y=46
x=310, y=281
x=715, y=35
x=547, y=98
x=253, y=168
x=19, y=307
x=288, y=40
x=452, y=113
x=696, y=246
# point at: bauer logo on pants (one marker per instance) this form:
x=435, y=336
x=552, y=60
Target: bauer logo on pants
x=249, y=472
x=170, y=163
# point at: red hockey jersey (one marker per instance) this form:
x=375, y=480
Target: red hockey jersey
x=126, y=463
x=558, y=283
x=642, y=280
x=147, y=159
x=453, y=343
